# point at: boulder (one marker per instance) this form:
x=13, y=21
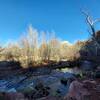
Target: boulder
x=76, y=91
x=85, y=90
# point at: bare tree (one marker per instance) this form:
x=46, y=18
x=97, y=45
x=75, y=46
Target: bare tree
x=55, y=49
x=44, y=48
x=33, y=42
x=93, y=32
x=91, y=24
x=25, y=47
x=29, y=46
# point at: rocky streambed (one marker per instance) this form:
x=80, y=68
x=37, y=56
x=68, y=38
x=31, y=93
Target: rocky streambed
x=37, y=84
x=47, y=84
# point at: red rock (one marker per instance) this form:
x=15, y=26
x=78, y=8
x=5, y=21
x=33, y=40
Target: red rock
x=76, y=91
x=86, y=90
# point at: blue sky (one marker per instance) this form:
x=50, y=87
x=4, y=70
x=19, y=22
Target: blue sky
x=62, y=16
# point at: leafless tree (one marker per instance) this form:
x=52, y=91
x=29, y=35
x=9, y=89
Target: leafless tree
x=44, y=49
x=55, y=48
x=91, y=24
x=93, y=32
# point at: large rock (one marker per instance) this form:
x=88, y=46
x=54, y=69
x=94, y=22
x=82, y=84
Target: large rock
x=76, y=91
x=86, y=90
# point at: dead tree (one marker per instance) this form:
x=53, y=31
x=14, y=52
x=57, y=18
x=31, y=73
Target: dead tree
x=91, y=24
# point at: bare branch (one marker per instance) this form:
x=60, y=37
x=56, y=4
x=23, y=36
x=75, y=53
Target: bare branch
x=97, y=20
x=90, y=22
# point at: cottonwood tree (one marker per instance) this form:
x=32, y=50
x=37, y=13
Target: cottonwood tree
x=1, y=53
x=8, y=55
x=64, y=50
x=25, y=54
x=29, y=45
x=33, y=41
x=44, y=48
x=15, y=50
x=55, y=49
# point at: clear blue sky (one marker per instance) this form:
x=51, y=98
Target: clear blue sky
x=62, y=16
